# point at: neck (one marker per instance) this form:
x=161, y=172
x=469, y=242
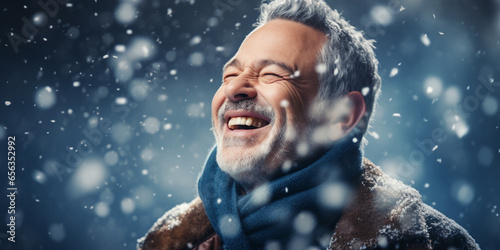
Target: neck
x=297, y=164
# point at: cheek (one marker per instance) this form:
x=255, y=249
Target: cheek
x=217, y=102
x=294, y=97
x=294, y=112
x=274, y=95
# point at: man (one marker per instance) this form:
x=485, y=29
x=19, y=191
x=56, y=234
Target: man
x=287, y=170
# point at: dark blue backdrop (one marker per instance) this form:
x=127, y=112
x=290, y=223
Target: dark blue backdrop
x=110, y=106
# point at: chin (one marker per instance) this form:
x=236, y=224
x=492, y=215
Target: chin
x=253, y=162
x=257, y=164
x=247, y=165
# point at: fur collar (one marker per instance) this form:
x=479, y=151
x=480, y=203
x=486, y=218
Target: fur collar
x=183, y=227
x=383, y=213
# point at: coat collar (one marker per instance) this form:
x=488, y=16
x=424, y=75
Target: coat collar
x=184, y=226
x=382, y=210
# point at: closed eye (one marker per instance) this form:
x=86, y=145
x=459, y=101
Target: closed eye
x=271, y=77
x=272, y=74
x=229, y=77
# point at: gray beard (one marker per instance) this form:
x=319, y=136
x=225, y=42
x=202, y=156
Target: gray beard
x=282, y=146
x=257, y=165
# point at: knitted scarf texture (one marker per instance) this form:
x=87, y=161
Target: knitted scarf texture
x=299, y=208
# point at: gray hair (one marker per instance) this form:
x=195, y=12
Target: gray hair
x=346, y=62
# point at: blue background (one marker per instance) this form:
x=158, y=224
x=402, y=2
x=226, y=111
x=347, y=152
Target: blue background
x=108, y=191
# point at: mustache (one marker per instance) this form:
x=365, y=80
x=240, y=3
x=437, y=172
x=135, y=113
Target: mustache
x=247, y=105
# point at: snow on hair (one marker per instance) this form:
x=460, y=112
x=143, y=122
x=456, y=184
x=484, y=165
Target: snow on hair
x=347, y=58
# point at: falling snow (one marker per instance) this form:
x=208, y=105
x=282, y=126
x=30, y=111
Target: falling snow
x=394, y=72
x=111, y=109
x=45, y=98
x=425, y=40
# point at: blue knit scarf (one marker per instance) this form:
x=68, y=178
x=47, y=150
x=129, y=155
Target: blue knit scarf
x=286, y=210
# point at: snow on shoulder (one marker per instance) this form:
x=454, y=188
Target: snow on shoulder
x=388, y=214
x=169, y=220
x=182, y=227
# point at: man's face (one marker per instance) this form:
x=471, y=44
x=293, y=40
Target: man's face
x=259, y=114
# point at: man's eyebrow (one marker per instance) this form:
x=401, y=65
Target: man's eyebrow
x=262, y=63
x=232, y=62
x=267, y=62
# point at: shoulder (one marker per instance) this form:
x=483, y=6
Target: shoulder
x=445, y=232
x=181, y=227
x=385, y=213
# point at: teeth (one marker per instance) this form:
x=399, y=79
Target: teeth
x=249, y=121
x=234, y=122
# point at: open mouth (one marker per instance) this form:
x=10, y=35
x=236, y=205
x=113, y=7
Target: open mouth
x=246, y=122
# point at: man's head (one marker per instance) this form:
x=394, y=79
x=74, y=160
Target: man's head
x=290, y=79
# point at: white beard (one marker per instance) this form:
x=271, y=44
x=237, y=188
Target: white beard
x=256, y=165
x=283, y=145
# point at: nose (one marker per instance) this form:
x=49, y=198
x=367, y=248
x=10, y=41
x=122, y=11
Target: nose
x=240, y=88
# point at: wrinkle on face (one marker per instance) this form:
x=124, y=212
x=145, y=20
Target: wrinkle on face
x=281, y=47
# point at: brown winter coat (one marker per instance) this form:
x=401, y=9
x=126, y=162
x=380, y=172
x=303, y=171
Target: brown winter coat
x=383, y=213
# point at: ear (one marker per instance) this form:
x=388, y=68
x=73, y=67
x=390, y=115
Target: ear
x=350, y=115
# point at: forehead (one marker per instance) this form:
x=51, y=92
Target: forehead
x=280, y=40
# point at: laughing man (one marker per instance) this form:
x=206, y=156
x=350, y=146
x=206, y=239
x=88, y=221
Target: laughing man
x=287, y=170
